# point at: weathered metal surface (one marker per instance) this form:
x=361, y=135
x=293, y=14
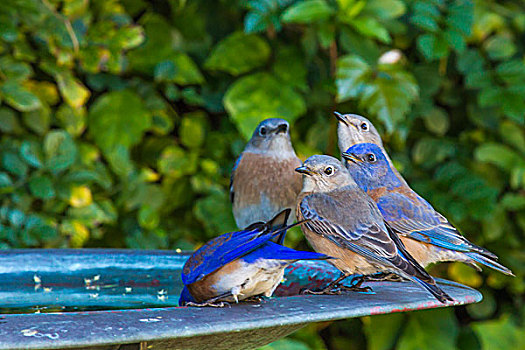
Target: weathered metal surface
x=149, y=282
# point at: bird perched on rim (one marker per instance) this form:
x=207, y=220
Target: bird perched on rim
x=427, y=235
x=343, y=222
x=263, y=181
x=354, y=128
x=239, y=265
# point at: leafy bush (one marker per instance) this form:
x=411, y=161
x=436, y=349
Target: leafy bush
x=120, y=121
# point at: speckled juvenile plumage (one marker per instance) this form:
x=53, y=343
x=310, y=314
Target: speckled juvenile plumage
x=263, y=181
x=345, y=223
x=427, y=234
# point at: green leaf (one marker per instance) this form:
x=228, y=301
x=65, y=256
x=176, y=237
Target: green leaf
x=214, y=212
x=178, y=69
x=307, y=11
x=238, y=53
x=432, y=46
x=19, y=97
x=73, y=91
x=128, y=37
x=351, y=75
x=118, y=118
x=259, y=96
x=502, y=334
x=390, y=95
x=370, y=27
x=5, y=180
x=431, y=330
x=499, y=155
x=176, y=162
x=513, y=201
x=31, y=153
x=42, y=187
x=437, y=121
x=12, y=163
x=382, y=331
x=192, y=130
x=38, y=120
x=73, y=120
x=60, y=150
x=500, y=47
x=385, y=9
x=9, y=122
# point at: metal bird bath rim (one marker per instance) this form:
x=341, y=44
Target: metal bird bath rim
x=125, y=299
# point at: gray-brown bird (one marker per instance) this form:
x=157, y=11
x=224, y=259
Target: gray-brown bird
x=263, y=180
x=345, y=223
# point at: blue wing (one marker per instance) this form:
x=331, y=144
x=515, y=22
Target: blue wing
x=417, y=219
x=185, y=297
x=272, y=250
x=232, y=191
x=222, y=250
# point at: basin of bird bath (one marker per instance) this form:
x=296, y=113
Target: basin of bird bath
x=127, y=299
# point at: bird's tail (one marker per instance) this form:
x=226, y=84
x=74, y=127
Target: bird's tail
x=415, y=272
x=490, y=262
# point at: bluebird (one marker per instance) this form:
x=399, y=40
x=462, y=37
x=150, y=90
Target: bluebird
x=263, y=181
x=427, y=235
x=354, y=128
x=240, y=265
x=344, y=222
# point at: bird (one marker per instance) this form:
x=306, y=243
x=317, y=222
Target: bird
x=240, y=265
x=354, y=128
x=427, y=235
x=342, y=221
x=263, y=181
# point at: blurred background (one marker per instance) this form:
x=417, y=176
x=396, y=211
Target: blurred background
x=120, y=121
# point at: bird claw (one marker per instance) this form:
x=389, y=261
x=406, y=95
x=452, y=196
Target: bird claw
x=210, y=304
x=255, y=299
x=325, y=291
x=384, y=277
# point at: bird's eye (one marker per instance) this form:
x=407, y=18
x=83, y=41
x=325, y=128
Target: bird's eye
x=371, y=158
x=329, y=171
x=364, y=126
x=262, y=131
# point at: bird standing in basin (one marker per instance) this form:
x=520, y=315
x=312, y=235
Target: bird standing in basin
x=428, y=236
x=263, y=181
x=239, y=265
x=344, y=222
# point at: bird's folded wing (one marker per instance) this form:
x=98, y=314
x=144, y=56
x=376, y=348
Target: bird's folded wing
x=232, y=190
x=417, y=219
x=346, y=227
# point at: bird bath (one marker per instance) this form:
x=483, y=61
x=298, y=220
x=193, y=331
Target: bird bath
x=126, y=299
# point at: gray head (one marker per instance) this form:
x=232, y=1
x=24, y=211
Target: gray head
x=323, y=174
x=271, y=136
x=353, y=128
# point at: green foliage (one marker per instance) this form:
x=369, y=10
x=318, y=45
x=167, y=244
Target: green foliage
x=120, y=122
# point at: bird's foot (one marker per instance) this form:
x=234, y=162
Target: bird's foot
x=208, y=303
x=384, y=277
x=324, y=291
x=355, y=285
x=255, y=299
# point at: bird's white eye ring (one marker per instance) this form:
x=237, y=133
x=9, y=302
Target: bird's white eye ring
x=364, y=126
x=329, y=170
x=262, y=131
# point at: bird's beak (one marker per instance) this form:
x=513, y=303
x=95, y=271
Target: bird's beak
x=351, y=157
x=340, y=118
x=304, y=170
x=283, y=128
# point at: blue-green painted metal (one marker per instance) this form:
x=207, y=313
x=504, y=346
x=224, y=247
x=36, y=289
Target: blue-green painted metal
x=136, y=293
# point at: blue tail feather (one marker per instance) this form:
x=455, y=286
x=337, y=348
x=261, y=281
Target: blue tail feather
x=490, y=263
x=272, y=250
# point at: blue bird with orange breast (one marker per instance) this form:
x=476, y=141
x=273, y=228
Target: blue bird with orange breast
x=344, y=222
x=427, y=235
x=239, y=265
x=263, y=181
